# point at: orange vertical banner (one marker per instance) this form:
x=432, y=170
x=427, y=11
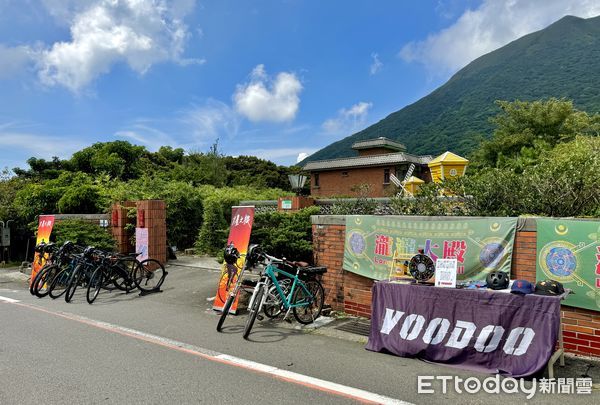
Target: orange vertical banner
x=239, y=234
x=45, y=224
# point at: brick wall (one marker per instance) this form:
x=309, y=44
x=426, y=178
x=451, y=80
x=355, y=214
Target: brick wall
x=351, y=293
x=334, y=183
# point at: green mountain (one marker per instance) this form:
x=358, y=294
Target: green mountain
x=562, y=61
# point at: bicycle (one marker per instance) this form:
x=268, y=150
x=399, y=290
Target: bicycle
x=112, y=272
x=304, y=298
x=58, y=260
x=232, y=255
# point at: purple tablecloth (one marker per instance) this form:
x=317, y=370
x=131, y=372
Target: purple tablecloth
x=481, y=330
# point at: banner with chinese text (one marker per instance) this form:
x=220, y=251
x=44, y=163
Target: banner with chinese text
x=141, y=243
x=239, y=234
x=568, y=251
x=480, y=245
x=45, y=225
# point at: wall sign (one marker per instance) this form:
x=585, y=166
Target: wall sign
x=479, y=245
x=568, y=251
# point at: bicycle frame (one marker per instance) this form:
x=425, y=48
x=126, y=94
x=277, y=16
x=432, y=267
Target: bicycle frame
x=269, y=277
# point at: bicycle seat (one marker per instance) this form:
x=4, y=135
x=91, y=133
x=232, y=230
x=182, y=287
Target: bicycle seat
x=295, y=264
x=313, y=271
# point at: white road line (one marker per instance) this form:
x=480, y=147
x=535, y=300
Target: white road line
x=285, y=375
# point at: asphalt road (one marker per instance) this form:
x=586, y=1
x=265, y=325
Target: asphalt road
x=163, y=348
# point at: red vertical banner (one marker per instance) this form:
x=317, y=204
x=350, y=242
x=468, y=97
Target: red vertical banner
x=45, y=224
x=239, y=234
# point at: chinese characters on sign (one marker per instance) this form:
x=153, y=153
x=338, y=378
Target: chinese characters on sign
x=375, y=243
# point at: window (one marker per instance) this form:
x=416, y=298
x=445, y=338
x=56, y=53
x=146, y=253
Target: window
x=386, y=176
x=316, y=176
x=345, y=174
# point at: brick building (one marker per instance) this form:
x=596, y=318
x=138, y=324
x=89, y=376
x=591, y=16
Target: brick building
x=377, y=159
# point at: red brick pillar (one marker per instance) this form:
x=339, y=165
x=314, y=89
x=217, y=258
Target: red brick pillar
x=328, y=251
x=151, y=214
x=119, y=220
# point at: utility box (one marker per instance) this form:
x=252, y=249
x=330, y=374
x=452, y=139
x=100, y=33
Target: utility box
x=5, y=236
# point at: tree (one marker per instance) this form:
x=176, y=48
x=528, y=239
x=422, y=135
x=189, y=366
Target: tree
x=566, y=181
x=525, y=130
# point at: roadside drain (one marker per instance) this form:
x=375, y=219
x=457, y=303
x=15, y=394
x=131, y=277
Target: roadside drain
x=358, y=327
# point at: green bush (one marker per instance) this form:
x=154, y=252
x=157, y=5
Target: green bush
x=284, y=234
x=83, y=233
x=213, y=233
x=80, y=199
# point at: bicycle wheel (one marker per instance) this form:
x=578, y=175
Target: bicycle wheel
x=95, y=284
x=226, y=283
x=122, y=279
x=311, y=304
x=149, y=275
x=41, y=283
x=273, y=306
x=73, y=283
x=123, y=274
x=60, y=283
x=253, y=312
x=35, y=281
x=225, y=311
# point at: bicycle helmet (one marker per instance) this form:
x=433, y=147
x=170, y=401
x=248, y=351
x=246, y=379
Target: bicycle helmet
x=497, y=280
x=253, y=256
x=231, y=255
x=40, y=247
x=89, y=251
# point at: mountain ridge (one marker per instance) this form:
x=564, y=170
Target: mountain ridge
x=561, y=60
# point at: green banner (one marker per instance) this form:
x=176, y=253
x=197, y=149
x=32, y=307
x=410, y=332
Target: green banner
x=568, y=251
x=374, y=244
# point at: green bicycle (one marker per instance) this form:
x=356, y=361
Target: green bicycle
x=304, y=297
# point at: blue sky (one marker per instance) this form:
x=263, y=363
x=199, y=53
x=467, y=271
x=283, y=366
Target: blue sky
x=274, y=79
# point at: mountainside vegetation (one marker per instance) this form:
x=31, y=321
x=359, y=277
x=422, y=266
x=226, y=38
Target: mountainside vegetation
x=561, y=61
x=543, y=160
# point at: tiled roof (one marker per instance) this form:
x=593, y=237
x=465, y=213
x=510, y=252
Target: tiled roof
x=449, y=157
x=362, y=161
x=381, y=142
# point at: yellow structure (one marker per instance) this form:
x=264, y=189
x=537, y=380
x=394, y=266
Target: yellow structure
x=447, y=166
x=412, y=184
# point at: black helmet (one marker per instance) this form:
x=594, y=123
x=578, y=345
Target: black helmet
x=253, y=256
x=89, y=251
x=231, y=254
x=40, y=247
x=497, y=280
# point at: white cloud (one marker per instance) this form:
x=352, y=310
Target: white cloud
x=13, y=137
x=376, y=65
x=348, y=120
x=267, y=99
x=302, y=156
x=281, y=154
x=139, y=33
x=211, y=120
x=494, y=24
